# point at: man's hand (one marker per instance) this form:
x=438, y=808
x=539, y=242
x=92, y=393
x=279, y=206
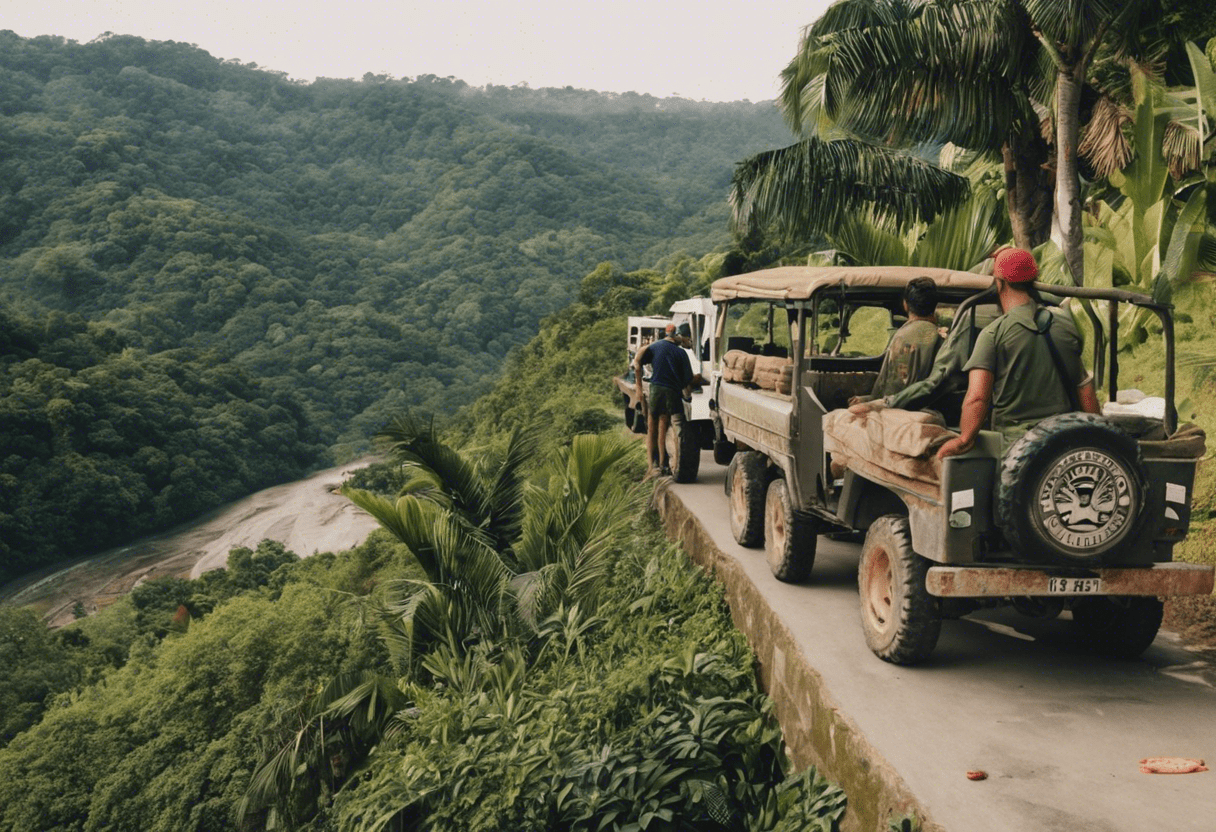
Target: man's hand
x=861, y=408
x=954, y=447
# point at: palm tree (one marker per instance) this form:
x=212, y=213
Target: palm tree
x=911, y=74
x=1070, y=32
x=572, y=527
x=976, y=73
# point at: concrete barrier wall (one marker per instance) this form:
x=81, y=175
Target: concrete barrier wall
x=815, y=730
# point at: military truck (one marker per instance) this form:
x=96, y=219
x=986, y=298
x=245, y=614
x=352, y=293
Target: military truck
x=1081, y=514
x=692, y=431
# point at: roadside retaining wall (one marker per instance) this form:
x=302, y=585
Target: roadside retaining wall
x=816, y=732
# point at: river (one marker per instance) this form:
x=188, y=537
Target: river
x=307, y=516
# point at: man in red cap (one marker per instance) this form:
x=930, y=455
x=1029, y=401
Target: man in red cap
x=1012, y=368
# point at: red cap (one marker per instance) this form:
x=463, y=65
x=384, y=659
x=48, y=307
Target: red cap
x=1015, y=265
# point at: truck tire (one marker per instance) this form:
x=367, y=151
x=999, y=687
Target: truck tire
x=683, y=450
x=1072, y=489
x=789, y=537
x=747, y=484
x=899, y=617
x=724, y=451
x=1117, y=627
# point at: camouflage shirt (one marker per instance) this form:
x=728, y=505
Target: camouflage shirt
x=909, y=357
x=947, y=377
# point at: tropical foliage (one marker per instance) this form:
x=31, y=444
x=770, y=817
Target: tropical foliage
x=288, y=693
x=1006, y=79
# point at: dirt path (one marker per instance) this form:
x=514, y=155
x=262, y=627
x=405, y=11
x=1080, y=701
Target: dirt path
x=307, y=516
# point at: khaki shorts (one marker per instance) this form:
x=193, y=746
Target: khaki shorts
x=665, y=401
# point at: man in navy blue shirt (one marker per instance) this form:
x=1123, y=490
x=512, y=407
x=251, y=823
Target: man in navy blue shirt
x=671, y=374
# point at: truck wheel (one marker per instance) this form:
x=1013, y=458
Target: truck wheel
x=724, y=451
x=789, y=537
x=747, y=483
x=899, y=617
x=1072, y=488
x=1117, y=627
x=683, y=450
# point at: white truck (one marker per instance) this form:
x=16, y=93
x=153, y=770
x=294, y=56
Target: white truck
x=693, y=430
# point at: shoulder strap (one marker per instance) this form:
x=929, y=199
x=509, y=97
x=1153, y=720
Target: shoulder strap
x=1044, y=329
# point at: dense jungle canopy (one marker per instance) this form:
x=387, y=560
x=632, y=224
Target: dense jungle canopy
x=213, y=278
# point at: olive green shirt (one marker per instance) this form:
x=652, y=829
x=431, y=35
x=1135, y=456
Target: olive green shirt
x=909, y=357
x=947, y=374
x=1026, y=386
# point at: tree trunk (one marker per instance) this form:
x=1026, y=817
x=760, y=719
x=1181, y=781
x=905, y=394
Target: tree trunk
x=1028, y=187
x=1067, y=225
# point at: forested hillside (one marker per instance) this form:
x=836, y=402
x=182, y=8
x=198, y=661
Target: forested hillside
x=342, y=249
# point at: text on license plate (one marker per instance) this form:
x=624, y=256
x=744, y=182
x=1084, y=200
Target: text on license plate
x=1074, y=586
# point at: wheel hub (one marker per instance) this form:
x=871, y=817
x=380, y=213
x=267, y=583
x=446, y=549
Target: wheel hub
x=879, y=585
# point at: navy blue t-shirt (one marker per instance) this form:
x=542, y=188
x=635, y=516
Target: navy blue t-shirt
x=671, y=365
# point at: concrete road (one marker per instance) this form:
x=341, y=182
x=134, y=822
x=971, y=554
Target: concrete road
x=1059, y=732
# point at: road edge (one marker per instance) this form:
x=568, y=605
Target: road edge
x=816, y=731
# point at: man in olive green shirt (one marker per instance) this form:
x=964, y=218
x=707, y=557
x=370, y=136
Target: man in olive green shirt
x=910, y=354
x=1011, y=369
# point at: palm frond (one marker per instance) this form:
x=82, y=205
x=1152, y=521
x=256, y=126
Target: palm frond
x=502, y=506
x=1205, y=257
x=963, y=237
x=589, y=457
x=811, y=187
x=411, y=440
x=1074, y=23
x=857, y=14
x=1104, y=140
x=408, y=519
x=862, y=240
x=949, y=75
x=903, y=73
x=367, y=699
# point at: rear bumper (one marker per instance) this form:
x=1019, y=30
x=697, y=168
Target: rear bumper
x=1161, y=579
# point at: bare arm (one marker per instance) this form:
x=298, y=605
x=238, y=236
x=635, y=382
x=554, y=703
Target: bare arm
x=975, y=411
x=1088, y=398
x=637, y=372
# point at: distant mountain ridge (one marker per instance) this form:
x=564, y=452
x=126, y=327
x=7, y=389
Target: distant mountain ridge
x=130, y=165
x=341, y=250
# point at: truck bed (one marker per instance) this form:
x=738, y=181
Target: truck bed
x=759, y=419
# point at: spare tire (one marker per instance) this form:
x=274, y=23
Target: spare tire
x=1072, y=489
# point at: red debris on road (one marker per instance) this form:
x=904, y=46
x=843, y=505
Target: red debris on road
x=1171, y=765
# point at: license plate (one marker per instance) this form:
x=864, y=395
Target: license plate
x=1074, y=586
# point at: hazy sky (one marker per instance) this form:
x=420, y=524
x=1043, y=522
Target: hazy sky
x=701, y=49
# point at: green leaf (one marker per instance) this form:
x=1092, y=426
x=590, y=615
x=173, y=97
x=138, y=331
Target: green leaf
x=814, y=186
